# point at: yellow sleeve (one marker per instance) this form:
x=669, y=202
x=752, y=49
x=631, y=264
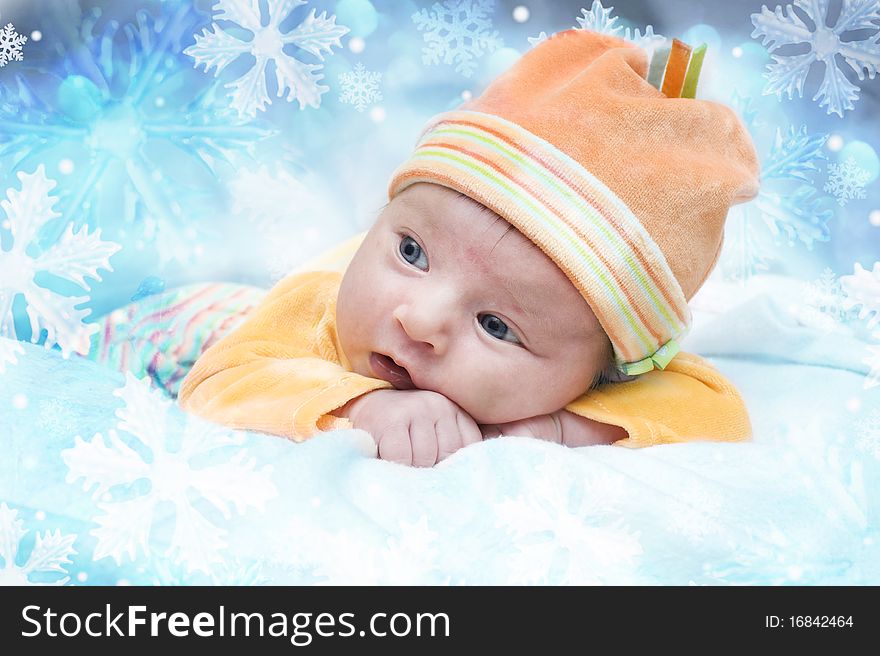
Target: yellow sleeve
x=689, y=400
x=280, y=371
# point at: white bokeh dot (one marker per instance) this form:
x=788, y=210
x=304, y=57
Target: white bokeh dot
x=316, y=501
x=835, y=142
x=81, y=577
x=36, y=35
x=123, y=582
x=356, y=45
x=40, y=515
x=521, y=14
x=737, y=52
x=160, y=101
x=466, y=95
x=377, y=114
x=854, y=404
x=874, y=218
x=19, y=401
x=65, y=166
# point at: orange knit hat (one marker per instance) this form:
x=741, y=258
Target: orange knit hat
x=624, y=186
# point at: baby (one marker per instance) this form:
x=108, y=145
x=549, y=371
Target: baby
x=529, y=276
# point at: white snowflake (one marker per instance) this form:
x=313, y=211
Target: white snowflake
x=54, y=417
x=599, y=19
x=113, y=467
x=823, y=299
x=360, y=87
x=862, y=289
x=847, y=181
x=217, y=48
x=564, y=522
x=459, y=31
x=787, y=73
x=73, y=257
x=8, y=350
x=868, y=434
x=50, y=553
x=10, y=45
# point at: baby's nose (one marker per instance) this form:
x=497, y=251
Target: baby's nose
x=427, y=320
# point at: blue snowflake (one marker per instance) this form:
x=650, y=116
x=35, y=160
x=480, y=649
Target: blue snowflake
x=131, y=135
x=787, y=73
x=219, y=48
x=787, y=202
x=459, y=31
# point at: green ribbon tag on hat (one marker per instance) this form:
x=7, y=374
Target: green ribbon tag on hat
x=659, y=359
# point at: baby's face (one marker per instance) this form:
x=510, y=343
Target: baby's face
x=489, y=322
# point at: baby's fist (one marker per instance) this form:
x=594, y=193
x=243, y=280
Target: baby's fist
x=412, y=427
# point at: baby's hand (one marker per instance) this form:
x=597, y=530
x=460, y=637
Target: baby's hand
x=412, y=427
x=562, y=427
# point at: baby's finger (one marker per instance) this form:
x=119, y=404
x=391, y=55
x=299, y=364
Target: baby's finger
x=468, y=429
x=394, y=444
x=448, y=437
x=424, y=442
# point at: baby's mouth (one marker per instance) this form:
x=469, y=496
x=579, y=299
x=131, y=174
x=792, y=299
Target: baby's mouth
x=387, y=369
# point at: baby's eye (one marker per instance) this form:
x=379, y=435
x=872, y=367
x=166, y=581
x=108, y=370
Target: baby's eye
x=409, y=248
x=497, y=328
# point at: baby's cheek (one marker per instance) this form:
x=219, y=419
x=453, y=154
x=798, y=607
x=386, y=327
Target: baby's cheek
x=501, y=401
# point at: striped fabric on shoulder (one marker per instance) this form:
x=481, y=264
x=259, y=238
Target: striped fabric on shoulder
x=161, y=336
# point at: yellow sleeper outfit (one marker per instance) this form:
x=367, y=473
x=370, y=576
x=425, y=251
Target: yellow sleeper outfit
x=283, y=371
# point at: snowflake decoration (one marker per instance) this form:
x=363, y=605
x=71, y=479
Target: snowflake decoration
x=599, y=19
x=215, y=47
x=113, y=468
x=824, y=301
x=787, y=73
x=54, y=417
x=862, y=288
x=847, y=181
x=10, y=45
x=564, y=522
x=360, y=87
x=787, y=203
x=868, y=434
x=8, y=350
x=143, y=139
x=73, y=257
x=459, y=31
x=50, y=553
